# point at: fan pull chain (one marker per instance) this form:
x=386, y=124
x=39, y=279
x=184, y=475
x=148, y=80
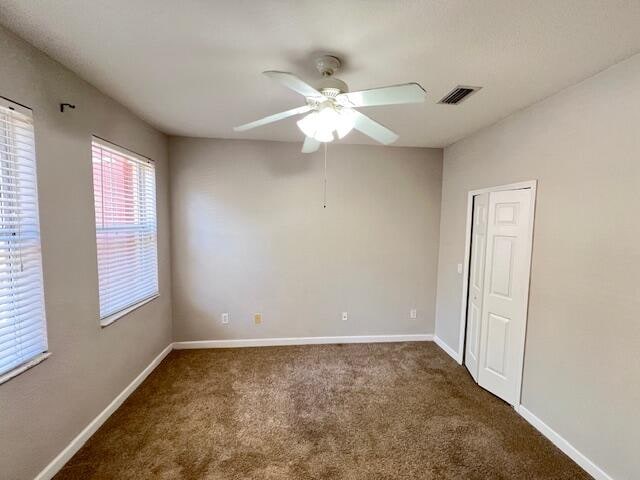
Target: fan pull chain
x=324, y=192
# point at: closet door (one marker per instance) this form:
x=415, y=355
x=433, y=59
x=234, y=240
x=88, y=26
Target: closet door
x=476, y=282
x=506, y=290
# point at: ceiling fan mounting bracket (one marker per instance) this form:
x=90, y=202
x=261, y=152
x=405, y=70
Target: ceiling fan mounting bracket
x=327, y=65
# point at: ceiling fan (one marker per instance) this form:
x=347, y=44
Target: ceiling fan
x=333, y=108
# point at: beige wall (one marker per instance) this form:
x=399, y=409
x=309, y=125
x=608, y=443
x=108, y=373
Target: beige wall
x=582, y=361
x=42, y=409
x=249, y=234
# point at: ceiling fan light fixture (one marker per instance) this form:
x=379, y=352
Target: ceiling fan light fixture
x=308, y=124
x=324, y=135
x=326, y=124
x=318, y=125
x=322, y=124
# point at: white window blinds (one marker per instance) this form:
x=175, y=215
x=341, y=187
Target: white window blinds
x=124, y=187
x=23, y=335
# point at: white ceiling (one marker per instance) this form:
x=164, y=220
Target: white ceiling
x=192, y=67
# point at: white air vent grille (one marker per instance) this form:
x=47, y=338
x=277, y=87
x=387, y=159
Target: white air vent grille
x=458, y=94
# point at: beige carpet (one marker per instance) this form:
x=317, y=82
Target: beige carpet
x=369, y=411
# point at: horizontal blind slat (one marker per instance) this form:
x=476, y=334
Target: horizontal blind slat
x=26, y=315
x=25, y=333
x=29, y=350
x=125, y=285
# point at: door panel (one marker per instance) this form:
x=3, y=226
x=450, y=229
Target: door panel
x=501, y=267
x=507, y=214
x=504, y=303
x=476, y=283
x=497, y=343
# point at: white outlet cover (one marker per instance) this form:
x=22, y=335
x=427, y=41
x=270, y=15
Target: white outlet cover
x=413, y=313
x=345, y=316
x=459, y=268
x=225, y=318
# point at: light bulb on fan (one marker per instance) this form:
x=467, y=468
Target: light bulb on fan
x=308, y=124
x=320, y=125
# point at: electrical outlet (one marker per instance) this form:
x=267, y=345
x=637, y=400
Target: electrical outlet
x=345, y=316
x=257, y=318
x=225, y=318
x=459, y=268
x=413, y=314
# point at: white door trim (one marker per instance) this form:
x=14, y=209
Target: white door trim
x=532, y=184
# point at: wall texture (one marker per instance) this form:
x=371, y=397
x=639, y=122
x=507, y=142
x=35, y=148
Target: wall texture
x=250, y=234
x=43, y=409
x=582, y=361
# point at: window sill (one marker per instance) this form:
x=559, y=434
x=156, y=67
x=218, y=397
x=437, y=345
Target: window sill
x=24, y=367
x=106, y=321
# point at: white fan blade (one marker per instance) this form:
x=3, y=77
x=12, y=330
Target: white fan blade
x=373, y=129
x=273, y=118
x=393, y=95
x=292, y=82
x=310, y=145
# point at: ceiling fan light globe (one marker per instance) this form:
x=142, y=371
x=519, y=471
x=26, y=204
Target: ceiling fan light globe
x=308, y=124
x=326, y=122
x=327, y=118
x=324, y=135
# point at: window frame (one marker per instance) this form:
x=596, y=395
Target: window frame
x=113, y=317
x=46, y=353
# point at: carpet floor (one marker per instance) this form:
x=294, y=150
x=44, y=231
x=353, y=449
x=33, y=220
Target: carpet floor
x=349, y=412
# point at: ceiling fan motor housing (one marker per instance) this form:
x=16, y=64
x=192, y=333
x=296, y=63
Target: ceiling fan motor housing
x=332, y=86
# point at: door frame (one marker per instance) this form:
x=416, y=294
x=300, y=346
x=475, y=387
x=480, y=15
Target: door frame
x=531, y=184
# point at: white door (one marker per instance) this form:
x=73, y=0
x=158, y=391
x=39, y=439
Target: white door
x=506, y=291
x=476, y=282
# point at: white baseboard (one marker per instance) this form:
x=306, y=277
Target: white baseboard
x=450, y=351
x=273, y=342
x=63, y=457
x=590, y=467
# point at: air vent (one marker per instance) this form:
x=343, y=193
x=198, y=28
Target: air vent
x=458, y=94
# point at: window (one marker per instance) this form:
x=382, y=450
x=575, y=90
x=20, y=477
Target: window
x=124, y=189
x=23, y=332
